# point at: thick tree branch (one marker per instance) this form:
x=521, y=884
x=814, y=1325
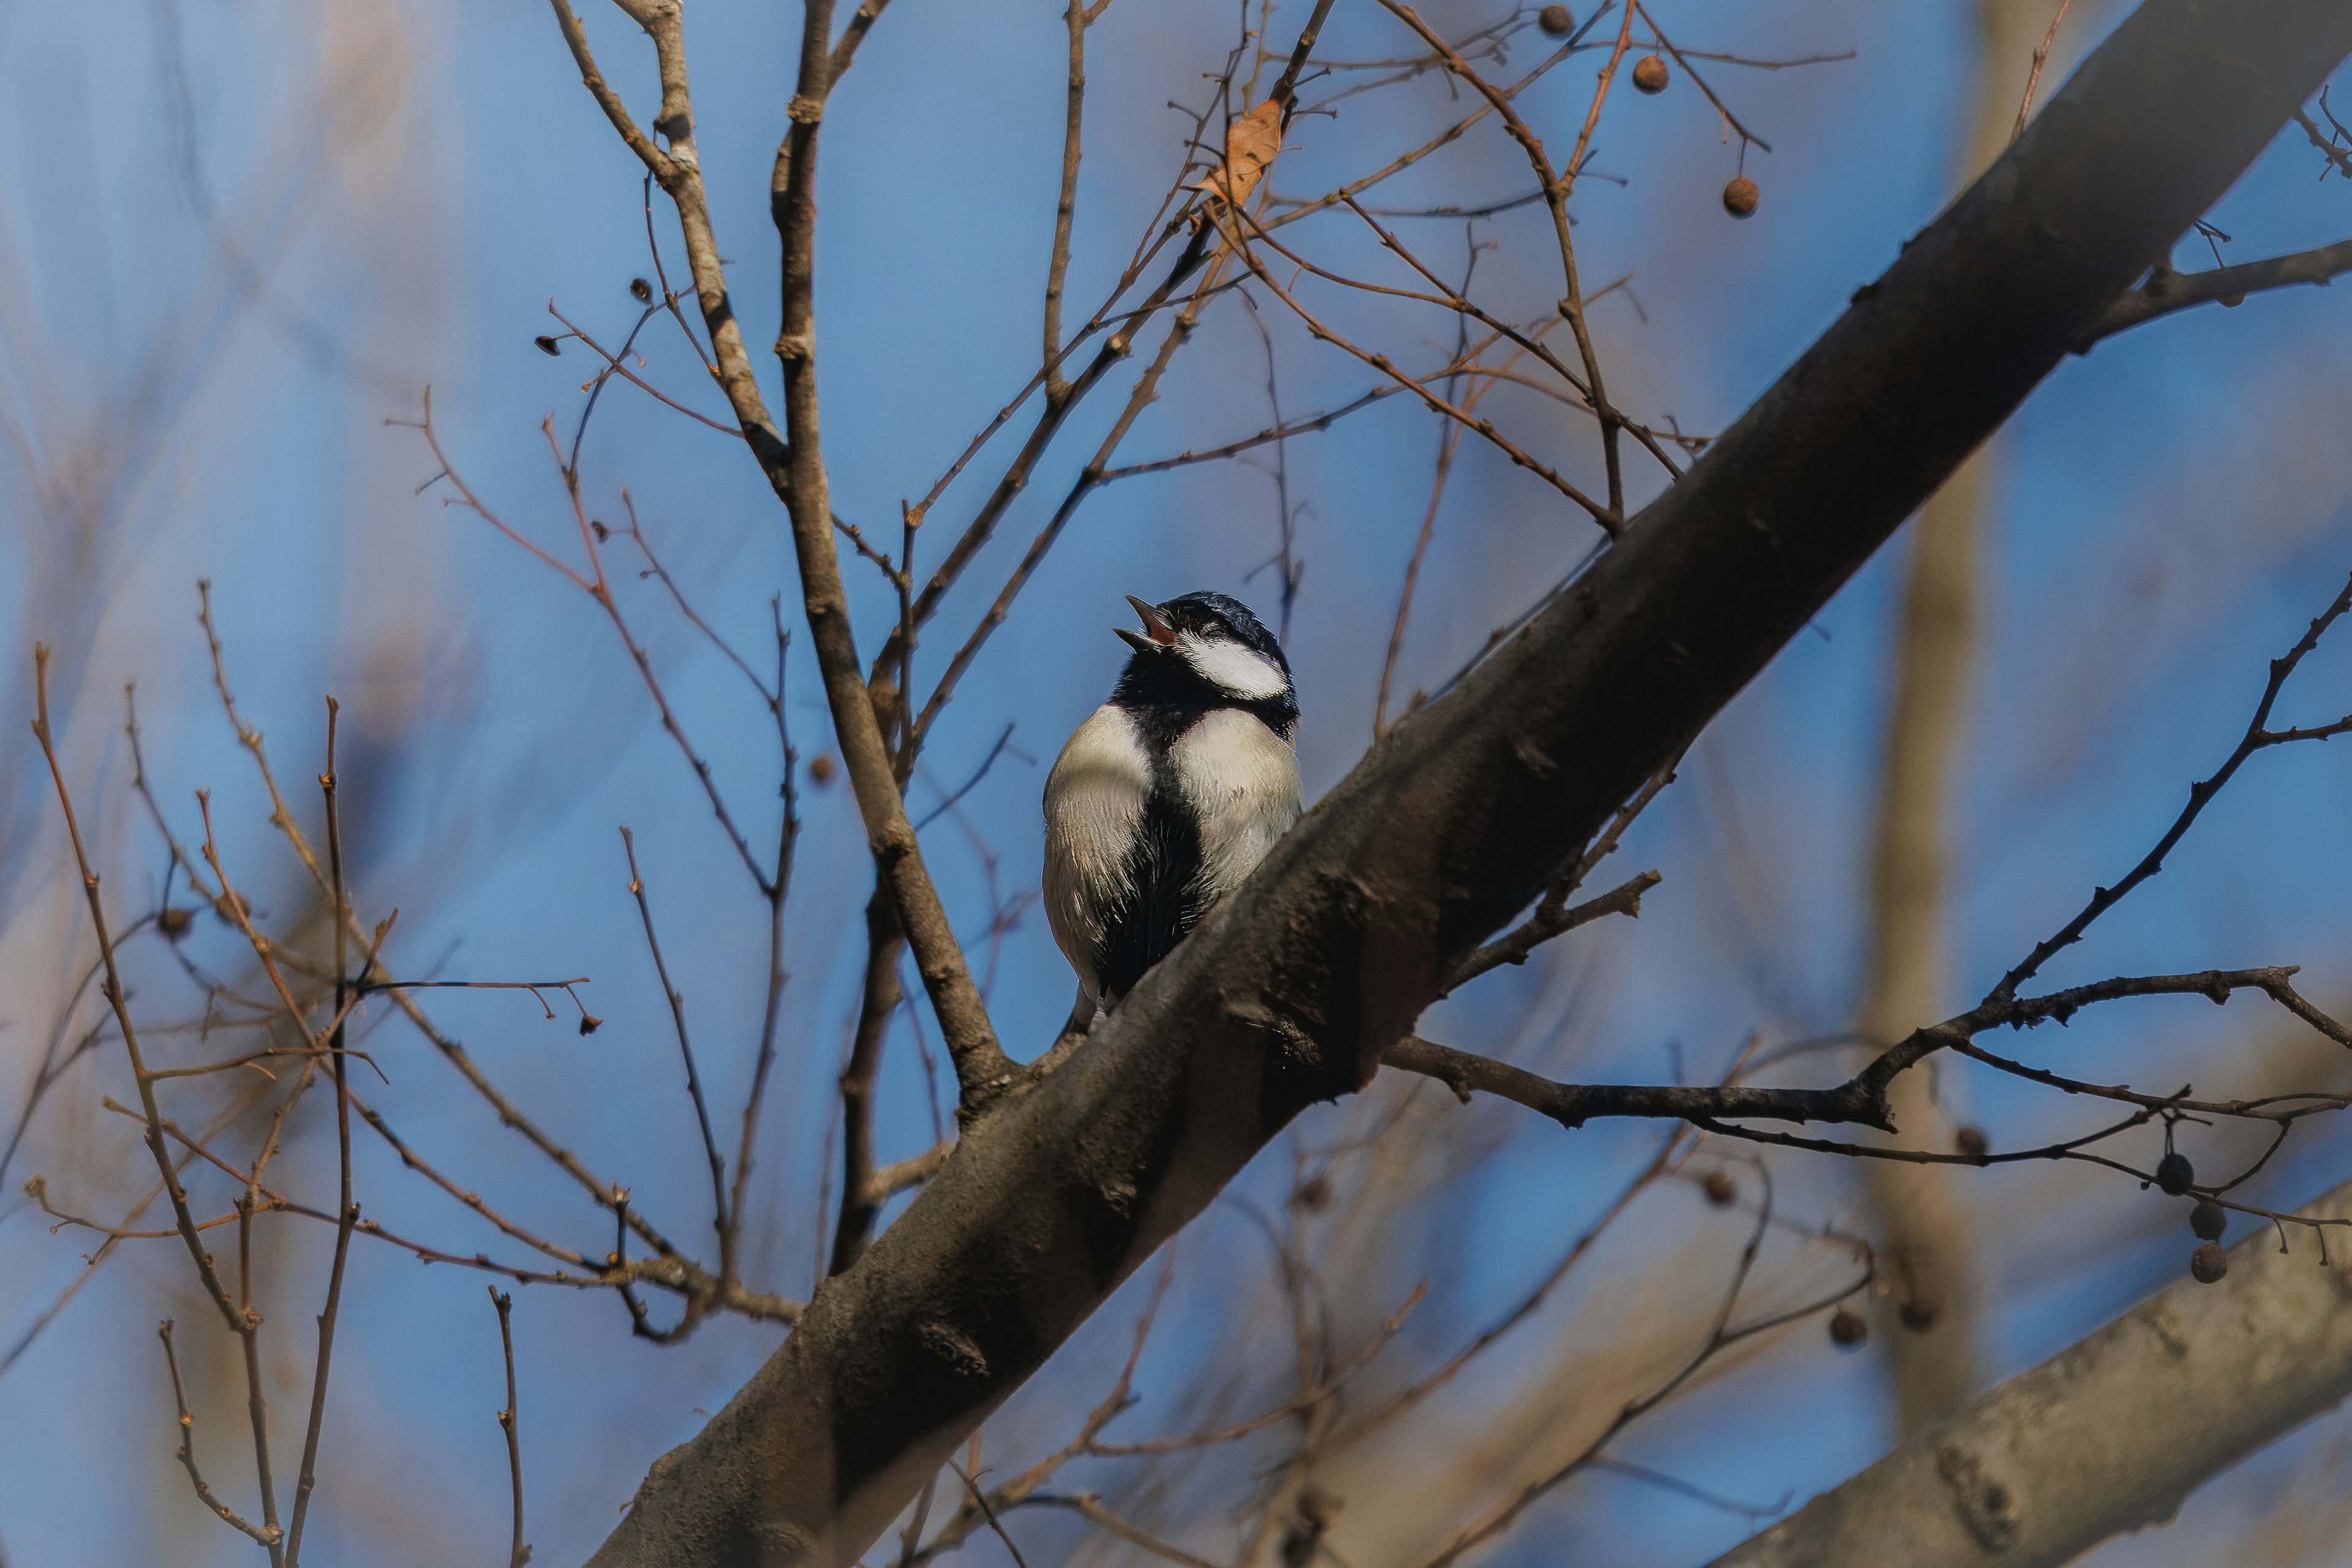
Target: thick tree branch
x=1291, y=991
x=2110, y=1435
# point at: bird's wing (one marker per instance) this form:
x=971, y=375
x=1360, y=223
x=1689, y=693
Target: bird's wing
x=1094, y=807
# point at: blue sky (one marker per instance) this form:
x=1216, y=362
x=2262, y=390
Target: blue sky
x=243, y=252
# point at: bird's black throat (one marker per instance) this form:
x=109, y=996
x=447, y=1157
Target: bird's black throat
x=1166, y=695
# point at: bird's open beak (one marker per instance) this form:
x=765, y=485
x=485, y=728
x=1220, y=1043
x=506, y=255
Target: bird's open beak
x=1157, y=632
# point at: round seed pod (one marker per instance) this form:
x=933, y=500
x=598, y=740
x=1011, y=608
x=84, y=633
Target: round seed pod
x=2208, y=1219
x=173, y=920
x=1847, y=1329
x=2208, y=1263
x=1971, y=1141
x=642, y=291
x=1719, y=1188
x=821, y=768
x=546, y=345
x=1650, y=74
x=2175, y=1174
x=1740, y=197
x=1919, y=1313
x=1557, y=21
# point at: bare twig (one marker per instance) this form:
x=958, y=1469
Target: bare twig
x=2033, y=77
x=243, y=1322
x=267, y=1534
x=347, y=1207
x=686, y=1052
x=517, y=1553
x=2166, y=291
x=2258, y=737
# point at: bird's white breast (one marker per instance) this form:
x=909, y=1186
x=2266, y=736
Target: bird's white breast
x=1094, y=803
x=1241, y=779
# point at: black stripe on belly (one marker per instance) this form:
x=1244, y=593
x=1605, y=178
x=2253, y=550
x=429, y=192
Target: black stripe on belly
x=1163, y=865
x=1162, y=868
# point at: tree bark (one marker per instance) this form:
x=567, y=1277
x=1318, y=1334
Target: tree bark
x=2108, y=1436
x=1290, y=991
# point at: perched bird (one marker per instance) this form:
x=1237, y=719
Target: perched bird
x=1169, y=793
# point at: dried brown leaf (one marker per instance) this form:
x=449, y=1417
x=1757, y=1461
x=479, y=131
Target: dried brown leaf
x=1251, y=143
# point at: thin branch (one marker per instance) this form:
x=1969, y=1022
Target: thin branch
x=686, y=1052
x=1609, y=520
x=2033, y=78
x=2166, y=291
x=614, y=366
x=347, y=1207
x=267, y=1534
x=948, y=801
x=1552, y=919
x=1699, y=81
x=2257, y=738
x=1057, y=267
x=788, y=834
x=517, y=1553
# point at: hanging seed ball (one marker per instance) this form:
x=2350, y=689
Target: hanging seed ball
x=590, y=1023
x=821, y=768
x=1847, y=1329
x=1557, y=20
x=2208, y=1219
x=1971, y=1141
x=2208, y=1263
x=1740, y=197
x=1919, y=1313
x=642, y=289
x=229, y=906
x=2175, y=1174
x=173, y=922
x=1719, y=1188
x=546, y=345
x=1650, y=74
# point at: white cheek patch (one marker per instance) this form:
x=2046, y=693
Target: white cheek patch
x=1245, y=673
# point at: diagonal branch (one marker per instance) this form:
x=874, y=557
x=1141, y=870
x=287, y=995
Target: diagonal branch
x=2104, y=1437
x=795, y=469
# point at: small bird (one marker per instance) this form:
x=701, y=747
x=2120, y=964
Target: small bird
x=1169, y=793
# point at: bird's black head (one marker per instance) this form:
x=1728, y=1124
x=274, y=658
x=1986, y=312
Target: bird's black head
x=1205, y=650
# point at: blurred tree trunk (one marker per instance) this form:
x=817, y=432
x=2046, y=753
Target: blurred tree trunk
x=1926, y=1233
